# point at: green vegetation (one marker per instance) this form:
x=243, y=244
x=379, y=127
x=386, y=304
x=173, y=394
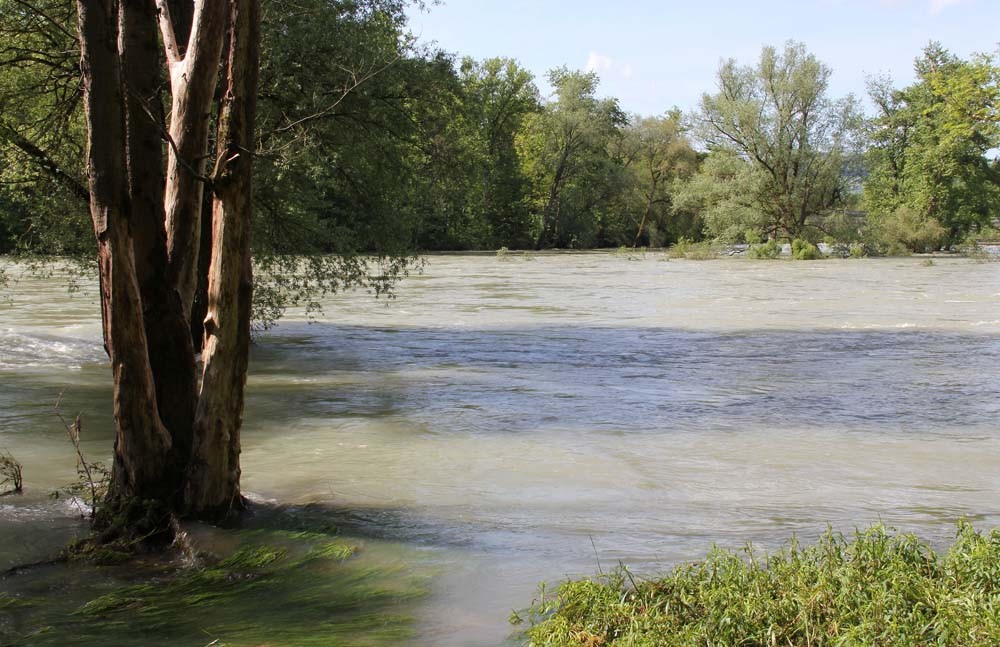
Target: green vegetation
x=803, y=250
x=769, y=250
x=931, y=182
x=700, y=251
x=373, y=147
x=785, y=143
x=904, y=231
x=877, y=588
x=287, y=587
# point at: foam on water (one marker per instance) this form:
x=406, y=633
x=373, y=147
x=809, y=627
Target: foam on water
x=19, y=350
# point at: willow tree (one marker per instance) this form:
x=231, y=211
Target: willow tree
x=177, y=441
x=778, y=117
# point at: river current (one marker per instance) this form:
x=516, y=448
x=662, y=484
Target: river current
x=507, y=421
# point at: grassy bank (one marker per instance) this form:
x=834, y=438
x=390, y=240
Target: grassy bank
x=875, y=588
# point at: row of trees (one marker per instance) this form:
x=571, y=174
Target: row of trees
x=368, y=142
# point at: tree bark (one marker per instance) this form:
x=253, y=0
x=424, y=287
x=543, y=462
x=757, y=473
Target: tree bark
x=142, y=443
x=171, y=355
x=213, y=486
x=193, y=77
x=176, y=448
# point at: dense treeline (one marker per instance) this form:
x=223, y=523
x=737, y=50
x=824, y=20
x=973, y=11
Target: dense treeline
x=370, y=142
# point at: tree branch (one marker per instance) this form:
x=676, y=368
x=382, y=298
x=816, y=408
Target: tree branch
x=42, y=159
x=167, y=30
x=356, y=82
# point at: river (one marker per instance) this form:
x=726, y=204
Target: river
x=505, y=421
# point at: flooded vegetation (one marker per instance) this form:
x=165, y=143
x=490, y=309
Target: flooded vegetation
x=418, y=466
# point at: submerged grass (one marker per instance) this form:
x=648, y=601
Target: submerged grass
x=291, y=588
x=877, y=588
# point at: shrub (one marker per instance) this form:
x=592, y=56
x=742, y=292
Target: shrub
x=769, y=250
x=11, y=478
x=905, y=231
x=680, y=248
x=879, y=588
x=805, y=251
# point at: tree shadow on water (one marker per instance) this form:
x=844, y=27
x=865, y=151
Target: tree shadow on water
x=637, y=379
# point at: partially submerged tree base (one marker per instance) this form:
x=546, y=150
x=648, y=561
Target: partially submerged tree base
x=177, y=440
x=281, y=583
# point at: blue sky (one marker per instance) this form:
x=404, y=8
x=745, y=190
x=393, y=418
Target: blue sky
x=654, y=54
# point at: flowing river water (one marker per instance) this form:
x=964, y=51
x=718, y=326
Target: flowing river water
x=508, y=421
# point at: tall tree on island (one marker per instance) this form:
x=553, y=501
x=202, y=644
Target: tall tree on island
x=177, y=439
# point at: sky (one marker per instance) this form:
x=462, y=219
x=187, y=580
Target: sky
x=656, y=54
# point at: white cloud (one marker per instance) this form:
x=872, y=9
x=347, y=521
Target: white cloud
x=937, y=6
x=599, y=63
x=607, y=67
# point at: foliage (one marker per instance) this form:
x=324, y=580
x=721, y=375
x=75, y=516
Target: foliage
x=904, y=231
x=299, y=281
x=566, y=157
x=696, y=251
x=769, y=250
x=659, y=155
x=499, y=97
x=879, y=587
x=372, y=147
x=930, y=145
x=776, y=116
x=803, y=250
x=722, y=197
x=41, y=130
x=321, y=186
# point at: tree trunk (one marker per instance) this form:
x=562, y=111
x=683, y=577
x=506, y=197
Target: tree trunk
x=192, y=83
x=170, y=354
x=213, y=486
x=176, y=449
x=142, y=443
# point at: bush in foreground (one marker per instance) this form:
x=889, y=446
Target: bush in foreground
x=879, y=588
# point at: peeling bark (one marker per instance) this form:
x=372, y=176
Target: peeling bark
x=142, y=443
x=213, y=486
x=171, y=356
x=193, y=78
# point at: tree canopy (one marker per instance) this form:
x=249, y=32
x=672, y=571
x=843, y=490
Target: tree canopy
x=930, y=145
x=372, y=147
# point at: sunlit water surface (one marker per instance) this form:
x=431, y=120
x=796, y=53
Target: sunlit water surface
x=508, y=421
